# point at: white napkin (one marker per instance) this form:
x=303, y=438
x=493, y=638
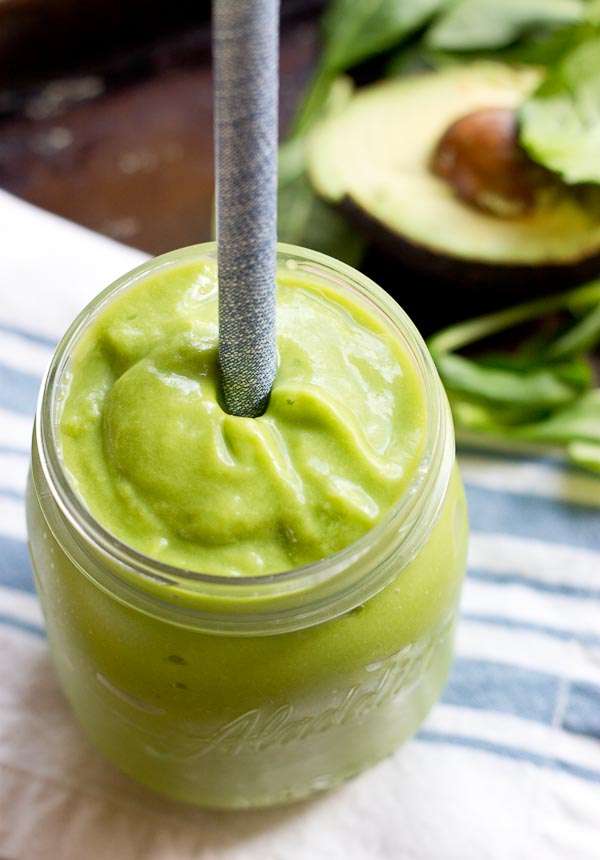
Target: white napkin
x=508, y=764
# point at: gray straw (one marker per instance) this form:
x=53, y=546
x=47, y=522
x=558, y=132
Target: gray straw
x=245, y=51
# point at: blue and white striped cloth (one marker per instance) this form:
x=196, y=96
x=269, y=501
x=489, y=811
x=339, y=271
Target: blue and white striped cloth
x=508, y=764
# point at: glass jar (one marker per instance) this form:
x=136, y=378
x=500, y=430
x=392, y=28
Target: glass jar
x=248, y=691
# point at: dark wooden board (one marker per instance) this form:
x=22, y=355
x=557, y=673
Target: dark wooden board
x=123, y=143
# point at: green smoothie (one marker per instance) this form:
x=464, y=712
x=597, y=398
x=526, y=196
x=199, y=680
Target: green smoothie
x=159, y=462
x=244, y=611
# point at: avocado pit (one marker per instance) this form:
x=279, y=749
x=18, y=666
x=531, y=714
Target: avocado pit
x=480, y=157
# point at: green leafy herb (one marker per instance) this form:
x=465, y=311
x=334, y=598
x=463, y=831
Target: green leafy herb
x=585, y=454
x=358, y=29
x=314, y=99
x=583, y=335
x=576, y=424
x=471, y=331
x=544, y=47
x=355, y=31
x=477, y=24
x=518, y=394
x=539, y=393
x=303, y=218
x=560, y=123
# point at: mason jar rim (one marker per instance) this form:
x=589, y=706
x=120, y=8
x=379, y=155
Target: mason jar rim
x=284, y=594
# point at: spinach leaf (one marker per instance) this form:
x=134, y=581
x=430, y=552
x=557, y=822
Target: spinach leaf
x=303, y=218
x=358, y=29
x=583, y=335
x=314, y=100
x=414, y=58
x=576, y=428
x=355, y=31
x=539, y=394
x=539, y=48
x=560, y=122
x=469, y=25
x=463, y=334
x=532, y=391
x=585, y=454
x=577, y=423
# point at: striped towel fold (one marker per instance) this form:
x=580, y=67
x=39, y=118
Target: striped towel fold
x=507, y=766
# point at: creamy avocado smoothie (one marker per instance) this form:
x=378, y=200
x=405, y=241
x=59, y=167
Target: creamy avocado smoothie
x=246, y=610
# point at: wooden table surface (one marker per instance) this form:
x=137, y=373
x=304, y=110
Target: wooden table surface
x=123, y=143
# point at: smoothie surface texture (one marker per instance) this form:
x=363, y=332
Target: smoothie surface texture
x=155, y=458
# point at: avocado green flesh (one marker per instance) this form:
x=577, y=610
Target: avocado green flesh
x=375, y=155
x=160, y=464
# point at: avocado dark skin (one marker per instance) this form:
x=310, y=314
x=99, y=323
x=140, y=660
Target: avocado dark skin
x=505, y=282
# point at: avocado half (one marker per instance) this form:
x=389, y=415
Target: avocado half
x=373, y=159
